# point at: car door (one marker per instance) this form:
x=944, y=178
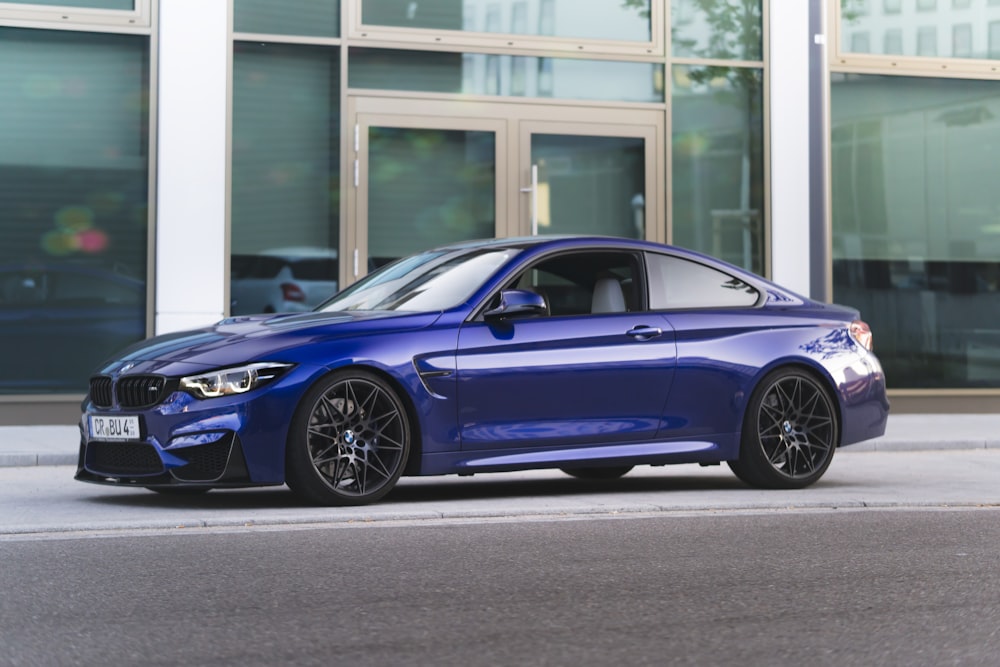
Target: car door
x=572, y=376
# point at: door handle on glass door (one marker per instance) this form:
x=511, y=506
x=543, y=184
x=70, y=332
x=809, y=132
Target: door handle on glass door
x=533, y=190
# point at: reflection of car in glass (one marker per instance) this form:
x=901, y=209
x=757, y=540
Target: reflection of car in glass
x=282, y=280
x=59, y=320
x=591, y=355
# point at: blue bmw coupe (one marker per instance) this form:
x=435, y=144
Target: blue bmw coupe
x=590, y=355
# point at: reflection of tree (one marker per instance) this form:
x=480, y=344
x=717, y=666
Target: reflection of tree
x=429, y=187
x=734, y=28
x=724, y=30
x=851, y=10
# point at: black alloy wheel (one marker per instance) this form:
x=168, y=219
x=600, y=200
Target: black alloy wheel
x=349, y=440
x=790, y=432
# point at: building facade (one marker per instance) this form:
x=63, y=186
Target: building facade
x=167, y=163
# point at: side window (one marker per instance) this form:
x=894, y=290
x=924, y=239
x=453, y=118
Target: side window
x=680, y=283
x=582, y=283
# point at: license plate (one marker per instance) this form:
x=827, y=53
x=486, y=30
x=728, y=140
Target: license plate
x=114, y=428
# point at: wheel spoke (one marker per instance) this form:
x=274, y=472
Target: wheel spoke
x=375, y=463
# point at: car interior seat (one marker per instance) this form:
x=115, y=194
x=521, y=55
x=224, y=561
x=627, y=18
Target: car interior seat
x=608, y=297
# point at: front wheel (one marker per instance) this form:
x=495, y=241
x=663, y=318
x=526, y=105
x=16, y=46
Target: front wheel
x=790, y=432
x=349, y=440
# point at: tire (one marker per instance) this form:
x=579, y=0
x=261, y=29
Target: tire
x=610, y=472
x=790, y=432
x=349, y=440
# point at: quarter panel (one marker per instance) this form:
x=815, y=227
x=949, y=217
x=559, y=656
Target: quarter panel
x=722, y=354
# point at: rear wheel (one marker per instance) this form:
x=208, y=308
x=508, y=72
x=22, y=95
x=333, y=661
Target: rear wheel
x=610, y=472
x=789, y=434
x=349, y=440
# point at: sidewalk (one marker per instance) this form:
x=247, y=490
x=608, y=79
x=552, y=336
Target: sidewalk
x=58, y=445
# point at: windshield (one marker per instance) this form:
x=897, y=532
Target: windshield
x=430, y=281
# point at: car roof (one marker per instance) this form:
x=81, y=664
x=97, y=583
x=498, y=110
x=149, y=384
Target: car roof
x=555, y=241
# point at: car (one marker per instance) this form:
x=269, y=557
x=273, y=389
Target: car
x=293, y=279
x=586, y=354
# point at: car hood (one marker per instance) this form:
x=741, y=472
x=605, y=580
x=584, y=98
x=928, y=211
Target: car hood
x=236, y=340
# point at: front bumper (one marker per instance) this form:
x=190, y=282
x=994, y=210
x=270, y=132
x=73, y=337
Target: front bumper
x=219, y=461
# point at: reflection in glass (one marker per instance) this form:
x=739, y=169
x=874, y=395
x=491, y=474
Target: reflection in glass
x=312, y=18
x=718, y=163
x=624, y=20
x=426, y=282
x=916, y=223
x=724, y=29
x=965, y=28
x=74, y=171
x=427, y=188
x=513, y=76
x=285, y=206
x=590, y=185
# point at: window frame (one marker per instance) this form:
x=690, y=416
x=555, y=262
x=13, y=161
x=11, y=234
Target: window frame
x=842, y=60
x=54, y=15
x=363, y=34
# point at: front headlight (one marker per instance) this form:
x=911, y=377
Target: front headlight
x=230, y=381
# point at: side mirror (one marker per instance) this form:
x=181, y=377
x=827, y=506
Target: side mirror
x=517, y=302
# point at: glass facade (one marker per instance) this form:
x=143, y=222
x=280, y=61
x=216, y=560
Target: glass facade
x=718, y=163
x=916, y=223
x=74, y=172
x=442, y=185
x=285, y=214
x=513, y=76
x=590, y=185
x=916, y=228
x=718, y=29
x=620, y=20
x=925, y=28
x=311, y=18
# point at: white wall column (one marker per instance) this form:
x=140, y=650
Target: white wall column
x=790, y=44
x=191, y=163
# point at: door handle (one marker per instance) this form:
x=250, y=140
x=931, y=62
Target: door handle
x=533, y=190
x=642, y=332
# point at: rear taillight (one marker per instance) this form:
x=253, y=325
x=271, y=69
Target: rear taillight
x=861, y=332
x=292, y=292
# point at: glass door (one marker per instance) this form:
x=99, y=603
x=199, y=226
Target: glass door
x=430, y=172
x=589, y=178
x=422, y=180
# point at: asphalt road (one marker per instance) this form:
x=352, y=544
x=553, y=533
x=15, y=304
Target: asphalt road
x=743, y=587
x=892, y=559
